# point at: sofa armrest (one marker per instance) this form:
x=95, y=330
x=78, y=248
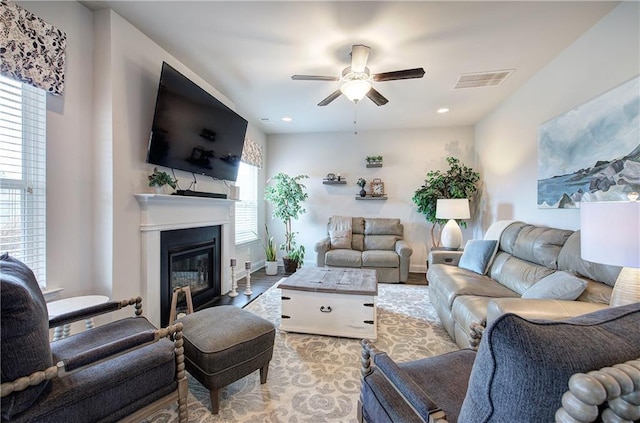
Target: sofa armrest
x=89, y=312
x=539, y=309
x=321, y=247
x=404, y=251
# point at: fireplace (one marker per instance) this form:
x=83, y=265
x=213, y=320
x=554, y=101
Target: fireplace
x=166, y=213
x=189, y=257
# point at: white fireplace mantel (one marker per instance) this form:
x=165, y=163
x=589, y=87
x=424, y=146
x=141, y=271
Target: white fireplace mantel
x=167, y=212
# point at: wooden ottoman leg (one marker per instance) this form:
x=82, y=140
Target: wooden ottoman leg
x=263, y=373
x=215, y=400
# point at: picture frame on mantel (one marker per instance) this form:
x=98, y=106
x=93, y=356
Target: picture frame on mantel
x=591, y=153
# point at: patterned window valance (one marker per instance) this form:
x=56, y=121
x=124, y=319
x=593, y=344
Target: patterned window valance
x=252, y=153
x=31, y=50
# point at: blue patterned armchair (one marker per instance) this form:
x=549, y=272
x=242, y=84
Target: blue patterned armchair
x=120, y=371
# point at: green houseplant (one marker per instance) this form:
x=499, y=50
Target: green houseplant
x=286, y=195
x=160, y=180
x=270, y=250
x=459, y=181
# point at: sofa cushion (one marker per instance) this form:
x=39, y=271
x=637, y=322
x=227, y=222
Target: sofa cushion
x=570, y=260
x=516, y=274
x=521, y=370
x=24, y=325
x=379, y=258
x=557, y=286
x=454, y=281
x=343, y=258
x=340, y=239
x=477, y=255
x=382, y=226
x=380, y=242
x=540, y=245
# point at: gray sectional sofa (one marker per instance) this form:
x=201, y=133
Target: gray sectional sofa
x=529, y=259
x=372, y=243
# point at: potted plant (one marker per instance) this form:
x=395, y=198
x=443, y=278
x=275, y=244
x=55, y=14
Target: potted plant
x=361, y=182
x=161, y=180
x=269, y=247
x=459, y=181
x=286, y=196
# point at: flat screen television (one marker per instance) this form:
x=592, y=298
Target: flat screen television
x=193, y=131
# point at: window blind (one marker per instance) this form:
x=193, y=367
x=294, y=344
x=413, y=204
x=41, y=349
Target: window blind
x=247, y=207
x=23, y=174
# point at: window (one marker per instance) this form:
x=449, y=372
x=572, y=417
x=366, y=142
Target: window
x=23, y=111
x=247, y=207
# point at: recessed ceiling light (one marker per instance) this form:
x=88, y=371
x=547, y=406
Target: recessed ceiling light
x=443, y=110
x=287, y=119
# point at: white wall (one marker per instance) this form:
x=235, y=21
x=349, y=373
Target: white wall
x=506, y=140
x=408, y=155
x=96, y=147
x=69, y=152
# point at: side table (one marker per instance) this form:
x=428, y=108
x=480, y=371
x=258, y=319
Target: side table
x=69, y=305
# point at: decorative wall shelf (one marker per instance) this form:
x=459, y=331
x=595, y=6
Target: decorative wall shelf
x=371, y=197
x=329, y=182
x=374, y=164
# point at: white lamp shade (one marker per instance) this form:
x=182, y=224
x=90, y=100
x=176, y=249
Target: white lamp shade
x=355, y=90
x=452, y=208
x=610, y=232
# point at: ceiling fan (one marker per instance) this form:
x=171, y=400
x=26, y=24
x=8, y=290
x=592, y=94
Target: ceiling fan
x=357, y=78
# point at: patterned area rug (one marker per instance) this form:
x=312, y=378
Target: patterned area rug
x=315, y=378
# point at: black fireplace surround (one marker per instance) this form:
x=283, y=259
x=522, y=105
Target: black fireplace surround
x=190, y=257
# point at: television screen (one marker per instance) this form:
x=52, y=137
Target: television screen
x=193, y=131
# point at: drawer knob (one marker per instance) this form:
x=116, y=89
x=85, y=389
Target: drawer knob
x=325, y=309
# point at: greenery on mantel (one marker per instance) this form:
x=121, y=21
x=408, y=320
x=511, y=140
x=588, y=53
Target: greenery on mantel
x=459, y=181
x=286, y=196
x=159, y=179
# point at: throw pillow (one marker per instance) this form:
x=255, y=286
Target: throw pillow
x=523, y=366
x=24, y=324
x=557, y=286
x=340, y=239
x=478, y=255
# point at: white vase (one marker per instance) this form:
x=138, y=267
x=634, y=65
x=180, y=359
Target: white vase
x=164, y=189
x=272, y=268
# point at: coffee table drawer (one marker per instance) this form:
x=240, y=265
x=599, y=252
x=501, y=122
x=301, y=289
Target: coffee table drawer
x=348, y=315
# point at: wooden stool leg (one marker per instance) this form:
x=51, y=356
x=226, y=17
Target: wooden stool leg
x=263, y=373
x=215, y=401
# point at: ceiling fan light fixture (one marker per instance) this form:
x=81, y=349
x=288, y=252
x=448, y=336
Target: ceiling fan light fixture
x=355, y=90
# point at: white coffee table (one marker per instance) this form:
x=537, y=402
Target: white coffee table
x=67, y=305
x=331, y=301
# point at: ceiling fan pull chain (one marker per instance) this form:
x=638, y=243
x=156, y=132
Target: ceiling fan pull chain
x=355, y=118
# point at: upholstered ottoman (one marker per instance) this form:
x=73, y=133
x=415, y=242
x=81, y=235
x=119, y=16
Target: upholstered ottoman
x=224, y=344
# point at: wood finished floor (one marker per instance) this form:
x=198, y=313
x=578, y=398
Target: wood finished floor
x=260, y=282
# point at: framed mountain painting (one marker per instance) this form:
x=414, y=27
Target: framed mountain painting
x=591, y=153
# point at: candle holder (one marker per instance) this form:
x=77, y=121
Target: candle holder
x=234, y=284
x=247, y=266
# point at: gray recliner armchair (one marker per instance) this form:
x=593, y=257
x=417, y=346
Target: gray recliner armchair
x=121, y=371
x=364, y=242
x=582, y=369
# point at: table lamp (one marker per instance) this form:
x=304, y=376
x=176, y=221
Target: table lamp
x=452, y=208
x=611, y=235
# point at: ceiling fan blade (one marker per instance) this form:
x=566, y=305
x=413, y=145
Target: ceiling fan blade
x=359, y=57
x=376, y=97
x=332, y=96
x=314, y=78
x=401, y=74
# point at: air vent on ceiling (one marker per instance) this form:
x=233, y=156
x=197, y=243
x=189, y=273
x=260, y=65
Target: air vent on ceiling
x=482, y=79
